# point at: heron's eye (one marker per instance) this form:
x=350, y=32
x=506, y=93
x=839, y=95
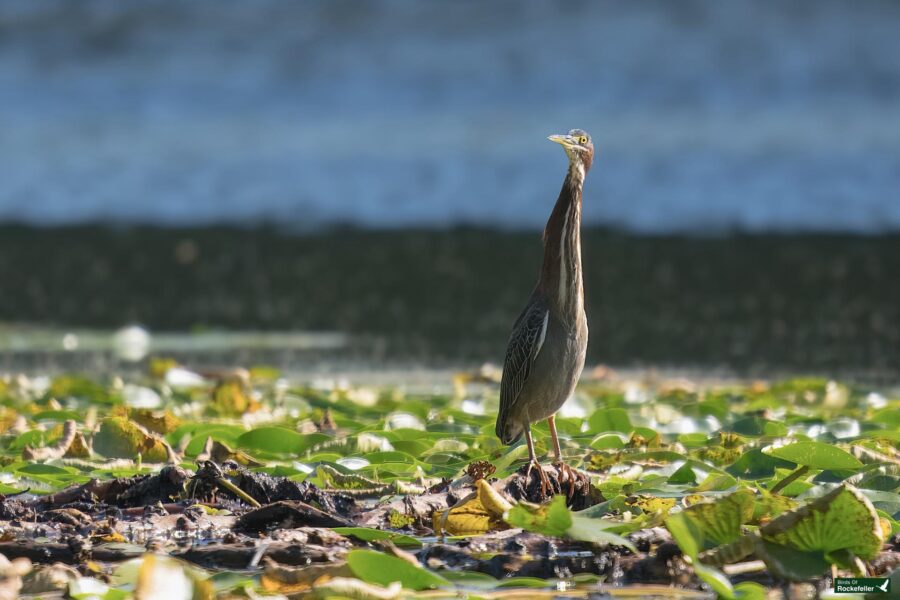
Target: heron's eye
x=582, y=140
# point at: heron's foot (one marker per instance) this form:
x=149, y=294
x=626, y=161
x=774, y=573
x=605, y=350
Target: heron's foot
x=546, y=486
x=567, y=475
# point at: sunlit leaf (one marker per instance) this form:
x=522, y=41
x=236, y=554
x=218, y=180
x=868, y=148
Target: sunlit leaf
x=372, y=535
x=483, y=512
x=231, y=397
x=720, y=520
x=816, y=455
x=610, y=419
x=279, y=440
x=554, y=519
x=843, y=519
x=119, y=437
x=382, y=569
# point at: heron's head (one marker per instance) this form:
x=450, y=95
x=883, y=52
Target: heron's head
x=508, y=431
x=578, y=146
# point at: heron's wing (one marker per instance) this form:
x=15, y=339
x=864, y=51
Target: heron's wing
x=525, y=343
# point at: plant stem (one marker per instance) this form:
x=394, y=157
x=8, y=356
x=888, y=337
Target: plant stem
x=238, y=492
x=799, y=472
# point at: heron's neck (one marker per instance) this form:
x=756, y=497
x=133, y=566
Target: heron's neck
x=561, y=280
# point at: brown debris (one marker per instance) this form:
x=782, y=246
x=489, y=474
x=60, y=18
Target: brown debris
x=239, y=556
x=520, y=554
x=66, y=516
x=480, y=469
x=15, y=509
x=266, y=489
x=326, y=424
x=124, y=492
x=417, y=512
x=288, y=514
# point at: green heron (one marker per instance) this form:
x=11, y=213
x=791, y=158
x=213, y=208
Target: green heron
x=546, y=350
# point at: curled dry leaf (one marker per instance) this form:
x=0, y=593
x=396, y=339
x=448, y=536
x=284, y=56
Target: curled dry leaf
x=57, y=450
x=49, y=578
x=291, y=580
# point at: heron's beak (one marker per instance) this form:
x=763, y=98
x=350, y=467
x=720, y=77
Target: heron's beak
x=565, y=140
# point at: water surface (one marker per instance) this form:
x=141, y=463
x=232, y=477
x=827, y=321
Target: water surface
x=708, y=115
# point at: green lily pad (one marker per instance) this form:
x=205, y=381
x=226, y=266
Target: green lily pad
x=279, y=440
x=58, y=415
x=754, y=464
x=843, y=519
x=792, y=564
x=816, y=455
x=720, y=520
x=554, y=519
x=372, y=535
x=610, y=419
x=382, y=569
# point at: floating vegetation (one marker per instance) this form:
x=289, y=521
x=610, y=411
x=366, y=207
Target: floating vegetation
x=238, y=483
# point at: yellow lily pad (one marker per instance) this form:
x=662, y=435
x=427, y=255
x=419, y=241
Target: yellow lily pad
x=231, y=397
x=481, y=513
x=157, y=421
x=119, y=437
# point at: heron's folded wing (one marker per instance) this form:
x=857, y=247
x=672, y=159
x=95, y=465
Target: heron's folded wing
x=525, y=343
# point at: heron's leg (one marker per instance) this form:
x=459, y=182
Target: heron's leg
x=561, y=466
x=535, y=464
x=551, y=421
x=531, y=455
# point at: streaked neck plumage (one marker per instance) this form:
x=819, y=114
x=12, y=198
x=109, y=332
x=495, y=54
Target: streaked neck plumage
x=561, y=280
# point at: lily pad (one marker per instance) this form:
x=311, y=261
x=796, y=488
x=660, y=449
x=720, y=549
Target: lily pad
x=610, y=419
x=382, y=569
x=119, y=437
x=279, y=440
x=816, y=455
x=720, y=520
x=373, y=535
x=554, y=519
x=842, y=520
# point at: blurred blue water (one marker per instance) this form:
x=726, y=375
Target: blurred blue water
x=758, y=115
